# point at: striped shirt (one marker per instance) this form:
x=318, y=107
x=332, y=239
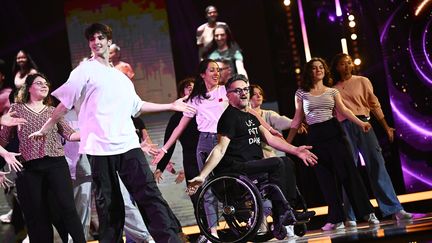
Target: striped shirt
x=319, y=108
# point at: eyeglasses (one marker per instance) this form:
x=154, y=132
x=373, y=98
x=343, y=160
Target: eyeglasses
x=240, y=91
x=42, y=84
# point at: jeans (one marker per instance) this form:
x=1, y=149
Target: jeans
x=367, y=144
x=207, y=141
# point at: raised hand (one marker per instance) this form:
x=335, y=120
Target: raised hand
x=194, y=184
x=180, y=105
x=12, y=162
x=158, y=157
x=158, y=176
x=4, y=182
x=9, y=120
x=180, y=177
x=309, y=158
x=149, y=148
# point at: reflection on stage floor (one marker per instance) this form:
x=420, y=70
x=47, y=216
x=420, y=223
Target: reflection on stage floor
x=417, y=230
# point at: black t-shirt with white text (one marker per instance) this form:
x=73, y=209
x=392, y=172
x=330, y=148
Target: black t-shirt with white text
x=242, y=128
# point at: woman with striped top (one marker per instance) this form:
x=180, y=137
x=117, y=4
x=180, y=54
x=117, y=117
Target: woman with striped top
x=316, y=102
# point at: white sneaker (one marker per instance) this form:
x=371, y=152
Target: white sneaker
x=330, y=226
x=402, y=215
x=26, y=240
x=290, y=230
x=6, y=218
x=371, y=219
x=350, y=223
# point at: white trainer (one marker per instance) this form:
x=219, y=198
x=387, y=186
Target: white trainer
x=371, y=219
x=402, y=215
x=6, y=218
x=350, y=223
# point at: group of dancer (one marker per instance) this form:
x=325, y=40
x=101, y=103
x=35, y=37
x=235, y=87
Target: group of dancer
x=221, y=127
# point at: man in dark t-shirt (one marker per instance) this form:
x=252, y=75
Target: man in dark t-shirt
x=239, y=148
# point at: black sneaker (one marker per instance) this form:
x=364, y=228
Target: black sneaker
x=287, y=218
x=304, y=216
x=279, y=231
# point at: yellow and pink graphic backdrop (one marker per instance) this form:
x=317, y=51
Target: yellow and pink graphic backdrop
x=140, y=28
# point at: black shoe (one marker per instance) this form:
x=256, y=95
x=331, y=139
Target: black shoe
x=279, y=231
x=287, y=218
x=304, y=216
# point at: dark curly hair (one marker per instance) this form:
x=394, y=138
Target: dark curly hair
x=307, y=82
x=335, y=74
x=98, y=27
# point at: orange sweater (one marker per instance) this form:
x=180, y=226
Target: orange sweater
x=357, y=95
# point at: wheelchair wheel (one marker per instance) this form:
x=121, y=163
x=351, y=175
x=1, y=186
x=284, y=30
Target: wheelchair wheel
x=231, y=203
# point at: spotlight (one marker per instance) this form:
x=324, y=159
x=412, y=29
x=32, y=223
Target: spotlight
x=351, y=17
x=352, y=24
x=287, y=2
x=297, y=70
x=357, y=61
x=353, y=37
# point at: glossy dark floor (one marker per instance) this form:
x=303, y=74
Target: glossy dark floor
x=417, y=230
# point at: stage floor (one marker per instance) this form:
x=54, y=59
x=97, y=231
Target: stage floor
x=417, y=230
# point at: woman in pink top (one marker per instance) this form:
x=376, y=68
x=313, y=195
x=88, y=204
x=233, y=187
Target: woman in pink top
x=44, y=166
x=358, y=96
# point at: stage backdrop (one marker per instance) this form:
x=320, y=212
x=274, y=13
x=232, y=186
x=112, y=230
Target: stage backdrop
x=140, y=28
x=405, y=36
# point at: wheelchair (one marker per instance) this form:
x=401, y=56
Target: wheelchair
x=241, y=205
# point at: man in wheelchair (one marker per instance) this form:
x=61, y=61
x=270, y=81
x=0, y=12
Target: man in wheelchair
x=239, y=151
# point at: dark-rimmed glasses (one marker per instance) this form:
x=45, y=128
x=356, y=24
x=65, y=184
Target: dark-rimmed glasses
x=239, y=91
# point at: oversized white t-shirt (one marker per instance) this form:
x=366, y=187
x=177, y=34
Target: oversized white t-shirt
x=208, y=111
x=106, y=99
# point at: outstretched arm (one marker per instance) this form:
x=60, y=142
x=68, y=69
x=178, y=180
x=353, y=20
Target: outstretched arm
x=10, y=159
x=8, y=120
x=302, y=151
x=342, y=109
x=4, y=182
x=57, y=115
x=178, y=105
x=173, y=138
x=213, y=160
x=298, y=118
x=389, y=130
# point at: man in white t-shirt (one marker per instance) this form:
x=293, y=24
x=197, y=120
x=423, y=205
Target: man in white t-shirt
x=204, y=32
x=106, y=99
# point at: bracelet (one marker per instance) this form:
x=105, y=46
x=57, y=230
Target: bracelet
x=164, y=150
